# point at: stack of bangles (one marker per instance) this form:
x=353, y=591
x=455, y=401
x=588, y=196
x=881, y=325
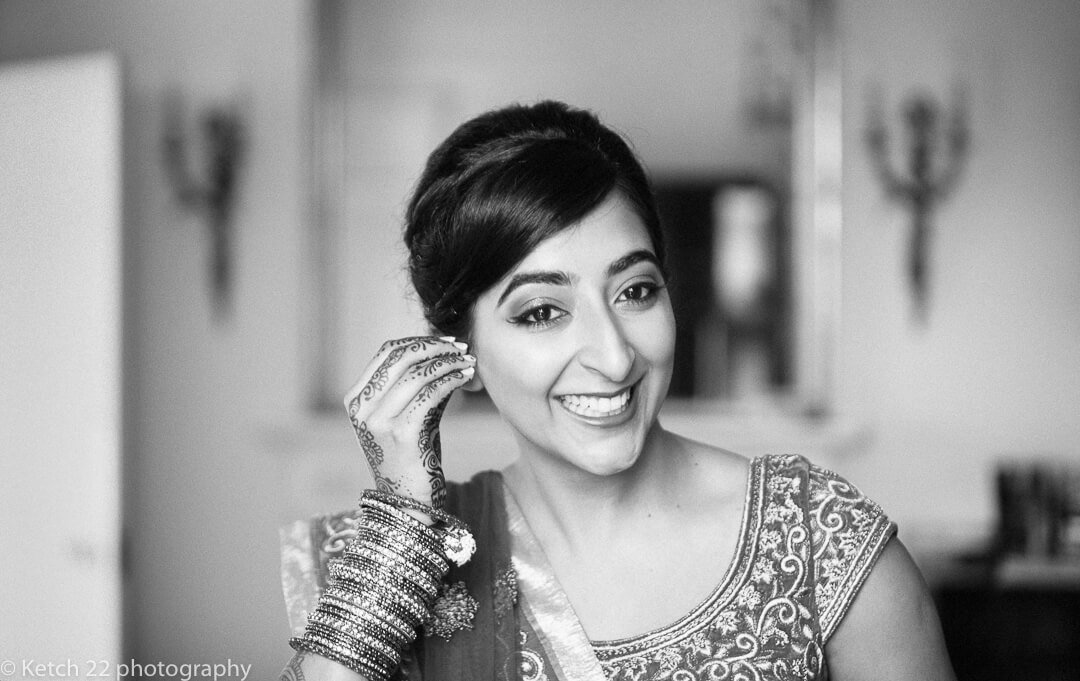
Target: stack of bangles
x=383, y=587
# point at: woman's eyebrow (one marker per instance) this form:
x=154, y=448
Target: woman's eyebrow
x=631, y=259
x=541, y=277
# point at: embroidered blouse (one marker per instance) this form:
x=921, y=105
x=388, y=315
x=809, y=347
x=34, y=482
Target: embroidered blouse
x=808, y=541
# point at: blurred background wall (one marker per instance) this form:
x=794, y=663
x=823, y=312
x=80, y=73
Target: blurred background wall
x=995, y=372
x=200, y=515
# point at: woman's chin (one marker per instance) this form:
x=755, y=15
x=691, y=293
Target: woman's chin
x=601, y=451
x=608, y=469
x=608, y=461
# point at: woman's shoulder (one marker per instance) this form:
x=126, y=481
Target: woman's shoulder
x=708, y=458
x=848, y=531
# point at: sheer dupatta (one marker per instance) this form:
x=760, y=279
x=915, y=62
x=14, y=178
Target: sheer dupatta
x=545, y=613
x=523, y=629
x=488, y=648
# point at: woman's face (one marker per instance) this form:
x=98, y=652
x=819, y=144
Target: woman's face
x=575, y=345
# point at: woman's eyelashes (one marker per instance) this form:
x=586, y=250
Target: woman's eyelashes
x=640, y=293
x=539, y=316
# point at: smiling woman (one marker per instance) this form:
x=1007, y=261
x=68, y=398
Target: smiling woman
x=611, y=548
x=576, y=347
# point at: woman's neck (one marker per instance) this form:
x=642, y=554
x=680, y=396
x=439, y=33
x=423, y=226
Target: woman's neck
x=565, y=503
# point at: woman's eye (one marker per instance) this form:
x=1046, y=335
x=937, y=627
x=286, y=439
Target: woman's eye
x=639, y=293
x=539, y=316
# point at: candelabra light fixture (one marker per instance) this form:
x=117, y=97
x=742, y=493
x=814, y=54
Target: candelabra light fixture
x=934, y=160
x=214, y=193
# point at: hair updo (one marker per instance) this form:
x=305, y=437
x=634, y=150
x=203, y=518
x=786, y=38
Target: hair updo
x=498, y=186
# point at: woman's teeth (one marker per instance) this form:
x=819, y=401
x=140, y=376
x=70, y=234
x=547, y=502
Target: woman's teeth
x=587, y=405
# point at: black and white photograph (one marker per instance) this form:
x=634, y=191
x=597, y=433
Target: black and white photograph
x=490, y=340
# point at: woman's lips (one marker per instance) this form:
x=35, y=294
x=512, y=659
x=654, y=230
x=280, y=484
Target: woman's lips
x=598, y=406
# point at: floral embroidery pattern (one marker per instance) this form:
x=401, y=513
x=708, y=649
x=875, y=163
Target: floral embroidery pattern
x=849, y=531
x=337, y=530
x=808, y=541
x=453, y=611
x=331, y=533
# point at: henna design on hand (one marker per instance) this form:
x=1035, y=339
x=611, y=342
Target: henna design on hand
x=432, y=366
x=401, y=346
x=386, y=485
x=354, y=409
x=430, y=445
x=372, y=450
x=427, y=373
x=427, y=391
x=381, y=376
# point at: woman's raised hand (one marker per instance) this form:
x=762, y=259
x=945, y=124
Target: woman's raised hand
x=395, y=409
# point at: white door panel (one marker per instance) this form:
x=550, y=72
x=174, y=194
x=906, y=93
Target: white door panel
x=60, y=378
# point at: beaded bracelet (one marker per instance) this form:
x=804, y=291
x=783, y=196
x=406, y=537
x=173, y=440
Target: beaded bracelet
x=396, y=620
x=414, y=609
x=404, y=543
x=383, y=553
x=368, y=627
x=404, y=525
x=383, y=586
x=370, y=542
x=457, y=542
x=367, y=567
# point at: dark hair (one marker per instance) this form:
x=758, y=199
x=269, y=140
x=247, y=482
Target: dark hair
x=498, y=186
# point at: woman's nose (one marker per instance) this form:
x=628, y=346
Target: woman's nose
x=605, y=348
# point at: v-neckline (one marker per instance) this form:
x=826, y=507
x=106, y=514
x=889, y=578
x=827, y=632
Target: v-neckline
x=535, y=561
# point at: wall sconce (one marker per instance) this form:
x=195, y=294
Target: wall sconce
x=933, y=167
x=214, y=195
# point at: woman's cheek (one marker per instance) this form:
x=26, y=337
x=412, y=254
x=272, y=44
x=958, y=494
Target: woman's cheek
x=514, y=361
x=657, y=336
